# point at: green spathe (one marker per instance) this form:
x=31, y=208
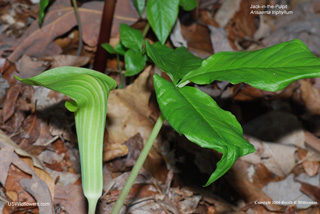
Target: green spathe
x=89, y=90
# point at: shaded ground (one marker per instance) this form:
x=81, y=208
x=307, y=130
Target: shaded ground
x=39, y=155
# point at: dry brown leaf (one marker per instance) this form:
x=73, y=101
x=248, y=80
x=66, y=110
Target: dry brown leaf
x=8, y=71
x=44, y=134
x=238, y=178
x=244, y=92
x=134, y=145
x=70, y=198
x=311, y=191
x=4, y=139
x=310, y=96
x=58, y=21
x=67, y=60
x=43, y=175
x=279, y=159
x=125, y=13
x=10, y=103
x=37, y=185
x=6, y=154
x=198, y=39
x=31, y=128
x=303, y=24
x=219, y=39
x=29, y=67
x=13, y=188
x=128, y=113
x=288, y=190
x=244, y=22
x=226, y=12
x=311, y=167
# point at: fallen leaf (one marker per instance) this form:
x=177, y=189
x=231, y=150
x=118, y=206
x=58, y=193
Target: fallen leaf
x=11, y=99
x=67, y=60
x=41, y=174
x=6, y=154
x=198, y=39
x=288, y=191
x=176, y=36
x=5, y=140
x=309, y=95
x=8, y=72
x=29, y=67
x=226, y=12
x=127, y=113
x=30, y=126
x=58, y=21
x=134, y=145
x=70, y=198
x=4, y=87
x=311, y=191
x=37, y=186
x=310, y=161
x=264, y=29
x=279, y=159
x=244, y=22
x=219, y=39
x=13, y=188
x=312, y=141
x=303, y=24
x=238, y=179
x=63, y=178
x=44, y=134
x=124, y=13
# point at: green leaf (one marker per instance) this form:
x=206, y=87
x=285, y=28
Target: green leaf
x=108, y=48
x=43, y=6
x=131, y=38
x=162, y=15
x=140, y=5
x=188, y=4
x=120, y=49
x=134, y=62
x=89, y=90
x=196, y=115
x=177, y=63
x=269, y=69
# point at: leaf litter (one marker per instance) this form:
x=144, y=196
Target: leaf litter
x=40, y=160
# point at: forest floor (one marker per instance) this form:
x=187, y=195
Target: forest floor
x=39, y=157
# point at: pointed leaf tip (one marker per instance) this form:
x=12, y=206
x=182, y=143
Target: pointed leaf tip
x=270, y=69
x=196, y=115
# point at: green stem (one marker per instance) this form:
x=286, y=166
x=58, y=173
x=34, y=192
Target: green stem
x=76, y=11
x=145, y=30
x=122, y=77
x=135, y=171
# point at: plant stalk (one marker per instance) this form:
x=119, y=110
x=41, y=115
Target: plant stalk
x=104, y=35
x=122, y=77
x=135, y=171
x=76, y=11
x=145, y=30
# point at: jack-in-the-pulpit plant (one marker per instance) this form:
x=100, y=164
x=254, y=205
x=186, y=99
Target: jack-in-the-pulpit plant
x=190, y=111
x=89, y=90
x=196, y=115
